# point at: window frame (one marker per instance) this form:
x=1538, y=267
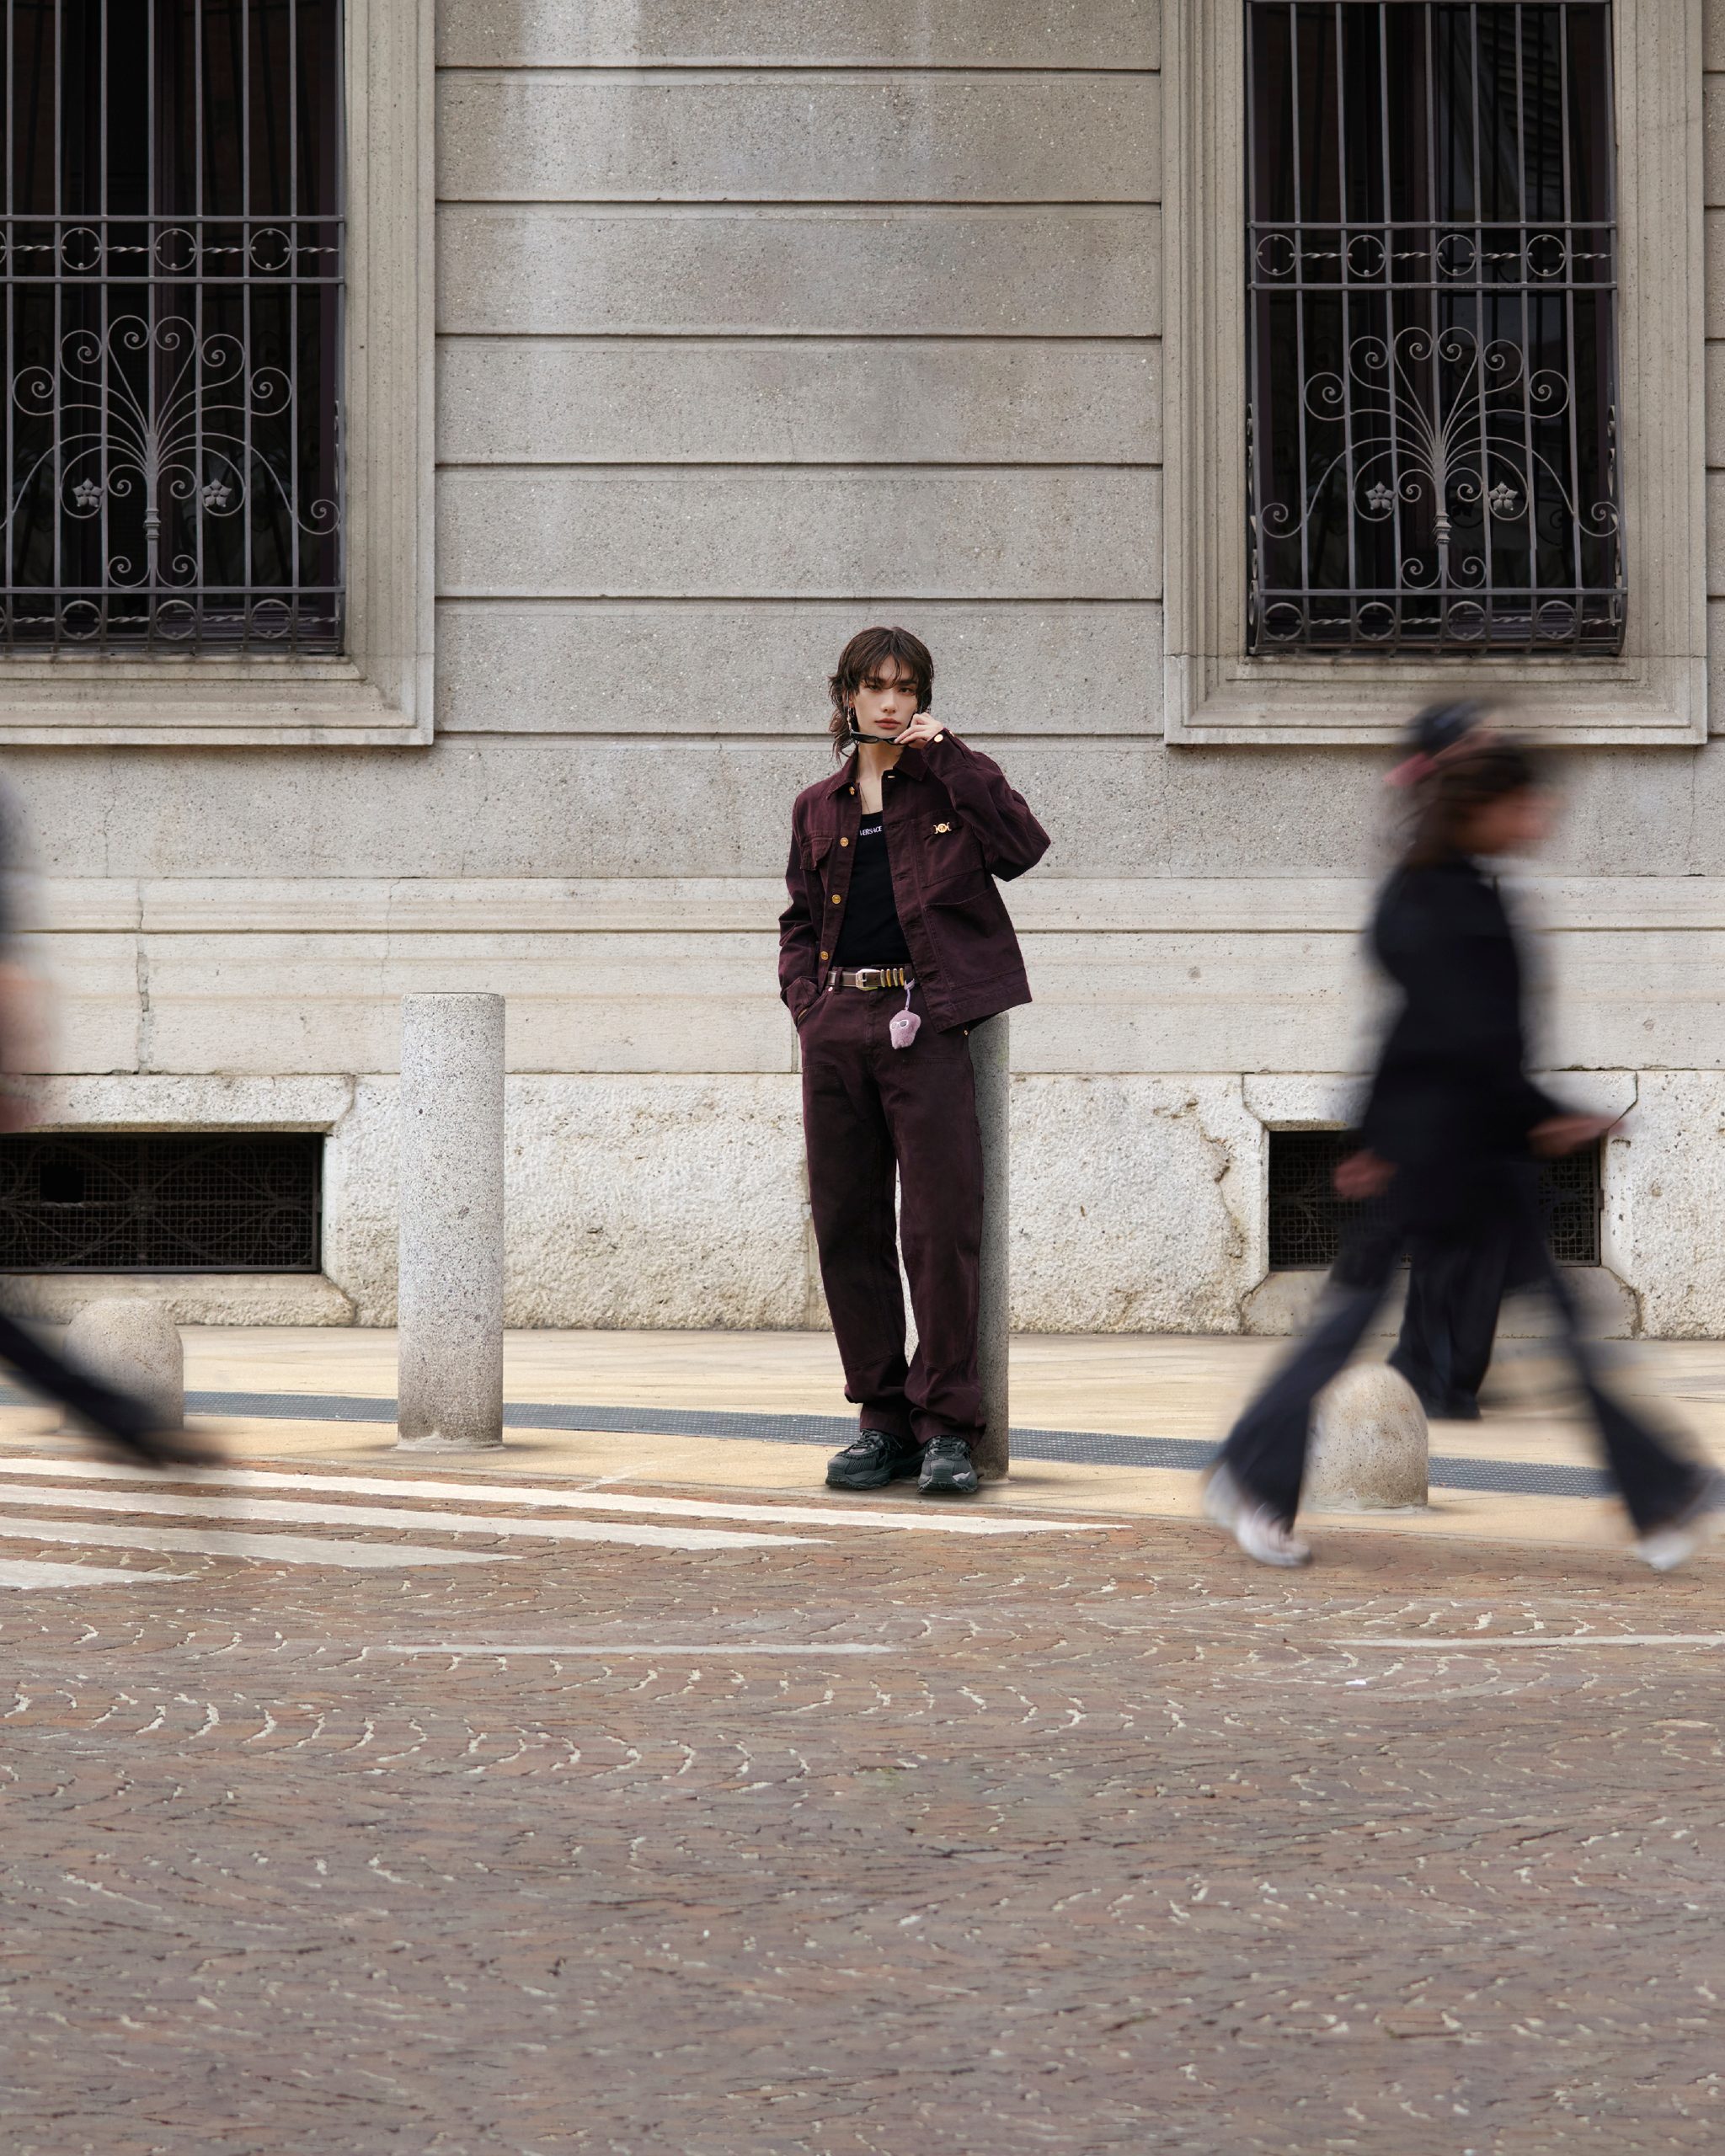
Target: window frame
x=379, y=692
x=1655, y=691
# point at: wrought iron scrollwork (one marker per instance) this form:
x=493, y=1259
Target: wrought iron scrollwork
x=127, y=428
x=1470, y=446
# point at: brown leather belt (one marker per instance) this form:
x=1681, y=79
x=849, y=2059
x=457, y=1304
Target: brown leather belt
x=876, y=977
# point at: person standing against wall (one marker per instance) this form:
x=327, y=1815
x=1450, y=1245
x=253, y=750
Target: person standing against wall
x=893, y=944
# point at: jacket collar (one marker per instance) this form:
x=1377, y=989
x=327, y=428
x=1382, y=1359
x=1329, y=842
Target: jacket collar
x=911, y=763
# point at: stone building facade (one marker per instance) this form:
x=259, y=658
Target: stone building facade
x=753, y=321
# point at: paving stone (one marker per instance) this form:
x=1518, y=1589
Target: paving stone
x=1120, y=1848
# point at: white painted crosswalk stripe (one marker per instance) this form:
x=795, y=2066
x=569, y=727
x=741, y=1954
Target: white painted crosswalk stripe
x=230, y=1498
x=705, y=1650
x=1480, y=1643
x=240, y=1509
x=212, y=1542
x=537, y=1495
x=36, y=1572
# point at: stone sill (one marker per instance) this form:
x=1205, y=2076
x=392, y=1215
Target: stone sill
x=192, y=1298
x=1282, y=1303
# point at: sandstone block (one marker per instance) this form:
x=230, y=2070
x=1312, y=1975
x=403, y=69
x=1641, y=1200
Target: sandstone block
x=515, y=667
x=764, y=34
x=537, y=135
x=1055, y=270
x=593, y=531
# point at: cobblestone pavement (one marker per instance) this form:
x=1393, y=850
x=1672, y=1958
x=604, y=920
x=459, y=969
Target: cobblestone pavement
x=1120, y=1846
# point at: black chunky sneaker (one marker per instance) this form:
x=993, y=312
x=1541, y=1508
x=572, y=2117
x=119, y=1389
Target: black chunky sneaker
x=871, y=1460
x=947, y=1471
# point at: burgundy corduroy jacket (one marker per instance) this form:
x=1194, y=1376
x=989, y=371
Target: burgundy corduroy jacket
x=953, y=825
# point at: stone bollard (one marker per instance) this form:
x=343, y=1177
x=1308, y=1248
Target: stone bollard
x=132, y=1344
x=450, y=1300
x=991, y=1060
x=1369, y=1444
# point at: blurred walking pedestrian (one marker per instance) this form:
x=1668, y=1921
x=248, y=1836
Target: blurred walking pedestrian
x=891, y=879
x=1455, y=1296
x=1450, y=1133
x=126, y=1424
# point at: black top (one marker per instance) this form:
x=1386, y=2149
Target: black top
x=870, y=934
x=1449, y=1085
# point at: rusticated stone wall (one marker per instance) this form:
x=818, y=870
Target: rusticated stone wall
x=759, y=319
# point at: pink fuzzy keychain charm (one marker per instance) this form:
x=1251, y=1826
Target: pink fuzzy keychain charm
x=905, y=1023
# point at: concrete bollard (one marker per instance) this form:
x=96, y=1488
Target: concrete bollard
x=991, y=1060
x=132, y=1344
x=450, y=1300
x=1370, y=1450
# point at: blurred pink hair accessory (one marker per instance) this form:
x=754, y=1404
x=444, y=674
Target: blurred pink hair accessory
x=1440, y=732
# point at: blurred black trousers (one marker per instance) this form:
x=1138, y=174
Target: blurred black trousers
x=1449, y=1326
x=43, y=1371
x=1447, y=1214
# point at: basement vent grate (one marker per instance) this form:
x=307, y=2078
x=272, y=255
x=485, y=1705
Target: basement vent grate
x=1308, y=1221
x=161, y=1202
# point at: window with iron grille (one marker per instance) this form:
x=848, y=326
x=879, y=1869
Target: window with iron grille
x=173, y=287
x=1431, y=264
x=1308, y=1221
x=161, y=1202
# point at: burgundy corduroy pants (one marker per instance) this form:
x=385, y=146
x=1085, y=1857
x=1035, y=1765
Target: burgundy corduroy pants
x=872, y=1113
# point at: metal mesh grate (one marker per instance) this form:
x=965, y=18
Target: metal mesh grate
x=169, y=1202
x=1308, y=1221
x=1570, y=1200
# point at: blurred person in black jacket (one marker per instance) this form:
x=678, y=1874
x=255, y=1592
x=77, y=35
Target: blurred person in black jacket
x=1450, y=1135
x=126, y=1424
x=1454, y=1295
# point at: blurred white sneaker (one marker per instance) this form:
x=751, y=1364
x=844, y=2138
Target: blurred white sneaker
x=1253, y=1526
x=1665, y=1547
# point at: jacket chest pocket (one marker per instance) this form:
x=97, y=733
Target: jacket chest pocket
x=815, y=846
x=950, y=856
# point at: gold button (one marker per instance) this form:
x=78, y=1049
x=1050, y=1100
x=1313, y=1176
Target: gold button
x=941, y=830
x=836, y=899
x=826, y=954
x=844, y=842
x=850, y=789
x=940, y=737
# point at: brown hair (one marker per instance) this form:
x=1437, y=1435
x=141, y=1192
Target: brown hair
x=1459, y=784
x=865, y=653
